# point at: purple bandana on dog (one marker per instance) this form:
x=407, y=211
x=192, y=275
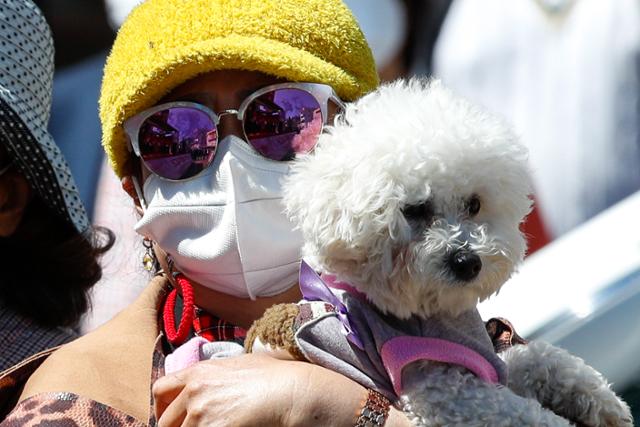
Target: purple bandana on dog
x=315, y=289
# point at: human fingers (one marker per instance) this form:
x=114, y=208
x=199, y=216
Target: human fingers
x=166, y=389
x=201, y=404
x=196, y=419
x=173, y=414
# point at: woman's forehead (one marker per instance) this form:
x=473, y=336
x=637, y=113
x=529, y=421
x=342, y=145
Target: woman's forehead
x=232, y=82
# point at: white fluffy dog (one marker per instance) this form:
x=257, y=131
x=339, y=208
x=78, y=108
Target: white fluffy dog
x=416, y=195
x=415, y=198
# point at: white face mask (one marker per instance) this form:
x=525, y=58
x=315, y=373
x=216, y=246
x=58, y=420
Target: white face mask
x=226, y=228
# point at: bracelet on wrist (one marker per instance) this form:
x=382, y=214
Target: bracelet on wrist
x=374, y=410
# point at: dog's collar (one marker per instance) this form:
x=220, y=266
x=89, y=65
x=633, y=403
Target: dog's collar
x=333, y=283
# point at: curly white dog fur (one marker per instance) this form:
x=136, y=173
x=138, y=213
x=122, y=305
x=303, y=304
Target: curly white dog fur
x=415, y=197
x=565, y=384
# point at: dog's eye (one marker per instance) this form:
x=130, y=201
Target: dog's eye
x=419, y=212
x=473, y=206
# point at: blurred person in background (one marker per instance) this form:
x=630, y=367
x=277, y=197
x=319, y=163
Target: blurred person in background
x=567, y=74
x=48, y=250
x=76, y=127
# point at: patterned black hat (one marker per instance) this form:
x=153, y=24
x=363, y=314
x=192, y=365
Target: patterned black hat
x=26, y=73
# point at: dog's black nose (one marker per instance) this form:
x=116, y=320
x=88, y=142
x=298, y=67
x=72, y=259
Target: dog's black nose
x=465, y=265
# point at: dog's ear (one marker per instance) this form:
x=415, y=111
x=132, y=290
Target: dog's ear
x=341, y=205
x=318, y=199
x=343, y=195
x=347, y=216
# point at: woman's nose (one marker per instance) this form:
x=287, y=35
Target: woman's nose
x=229, y=125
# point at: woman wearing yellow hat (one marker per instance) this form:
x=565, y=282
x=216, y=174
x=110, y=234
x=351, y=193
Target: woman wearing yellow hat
x=203, y=104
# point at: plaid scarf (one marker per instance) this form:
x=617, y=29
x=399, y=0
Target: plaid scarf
x=213, y=328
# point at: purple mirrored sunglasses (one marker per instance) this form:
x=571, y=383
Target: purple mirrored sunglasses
x=178, y=140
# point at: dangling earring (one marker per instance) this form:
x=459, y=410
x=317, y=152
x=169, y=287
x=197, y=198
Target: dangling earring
x=149, y=258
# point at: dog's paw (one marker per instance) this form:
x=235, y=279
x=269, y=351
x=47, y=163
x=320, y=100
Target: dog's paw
x=565, y=384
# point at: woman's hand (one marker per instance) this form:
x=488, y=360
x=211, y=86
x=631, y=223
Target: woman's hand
x=258, y=390
x=247, y=390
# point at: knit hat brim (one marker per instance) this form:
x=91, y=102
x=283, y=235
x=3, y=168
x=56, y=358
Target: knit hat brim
x=180, y=64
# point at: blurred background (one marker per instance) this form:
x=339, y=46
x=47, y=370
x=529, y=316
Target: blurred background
x=566, y=73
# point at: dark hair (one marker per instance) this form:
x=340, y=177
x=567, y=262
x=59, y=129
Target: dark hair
x=48, y=267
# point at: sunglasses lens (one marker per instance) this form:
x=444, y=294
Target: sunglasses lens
x=178, y=142
x=282, y=123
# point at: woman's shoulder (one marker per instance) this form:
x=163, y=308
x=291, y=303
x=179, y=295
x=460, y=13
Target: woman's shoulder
x=111, y=365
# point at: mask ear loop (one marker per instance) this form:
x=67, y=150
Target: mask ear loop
x=139, y=193
x=149, y=260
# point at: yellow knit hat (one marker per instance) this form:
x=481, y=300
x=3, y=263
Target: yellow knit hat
x=164, y=43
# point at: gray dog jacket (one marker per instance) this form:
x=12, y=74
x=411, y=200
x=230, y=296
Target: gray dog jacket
x=343, y=332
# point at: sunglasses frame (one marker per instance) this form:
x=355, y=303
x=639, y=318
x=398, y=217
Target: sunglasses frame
x=321, y=92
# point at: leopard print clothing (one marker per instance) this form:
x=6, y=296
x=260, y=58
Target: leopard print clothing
x=65, y=409
x=12, y=380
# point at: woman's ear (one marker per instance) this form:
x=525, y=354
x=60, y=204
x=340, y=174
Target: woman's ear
x=129, y=187
x=15, y=194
